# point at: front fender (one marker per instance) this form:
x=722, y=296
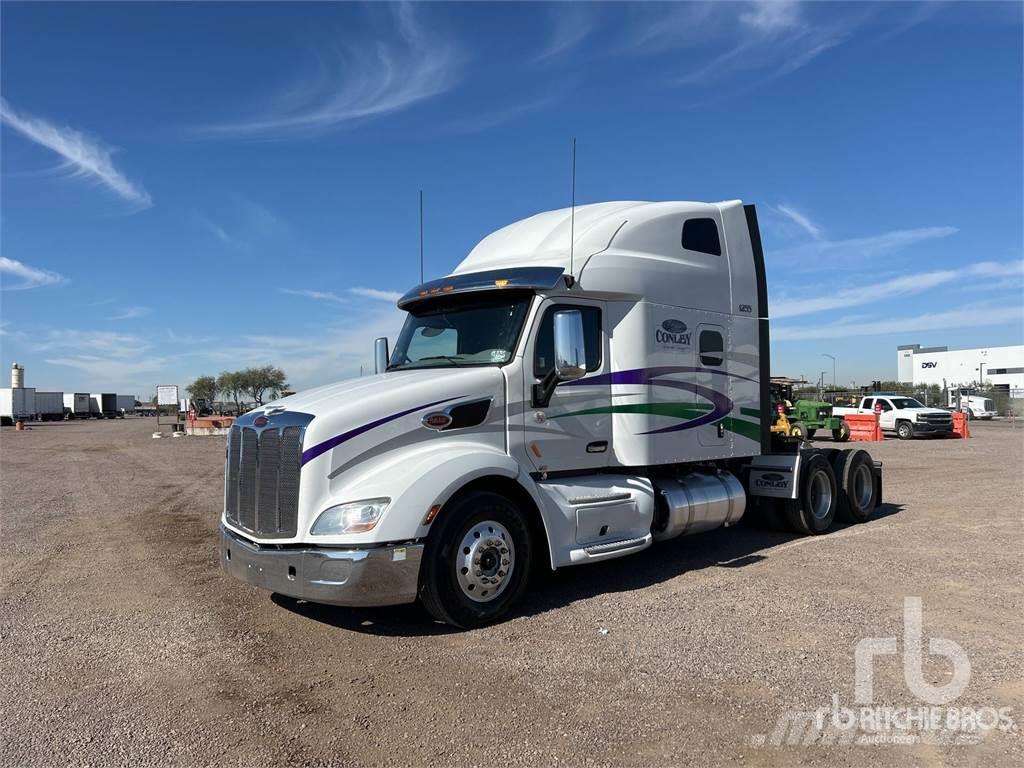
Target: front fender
x=426, y=476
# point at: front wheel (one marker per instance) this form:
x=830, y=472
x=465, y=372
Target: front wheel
x=842, y=434
x=798, y=430
x=476, y=561
x=904, y=430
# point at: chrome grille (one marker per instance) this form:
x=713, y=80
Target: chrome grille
x=261, y=476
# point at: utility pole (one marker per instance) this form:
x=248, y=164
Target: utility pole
x=833, y=359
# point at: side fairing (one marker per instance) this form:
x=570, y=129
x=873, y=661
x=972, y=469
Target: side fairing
x=684, y=385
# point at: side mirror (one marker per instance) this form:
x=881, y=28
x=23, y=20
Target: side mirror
x=380, y=354
x=570, y=356
x=570, y=351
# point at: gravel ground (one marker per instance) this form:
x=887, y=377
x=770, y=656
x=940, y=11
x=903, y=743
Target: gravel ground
x=123, y=643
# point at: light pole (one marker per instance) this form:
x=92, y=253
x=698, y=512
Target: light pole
x=833, y=359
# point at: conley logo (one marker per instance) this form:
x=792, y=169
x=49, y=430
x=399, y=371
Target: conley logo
x=772, y=480
x=672, y=332
x=929, y=365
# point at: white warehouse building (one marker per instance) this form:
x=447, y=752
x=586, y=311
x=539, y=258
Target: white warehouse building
x=961, y=367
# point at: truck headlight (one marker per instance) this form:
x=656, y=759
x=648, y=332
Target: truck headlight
x=353, y=517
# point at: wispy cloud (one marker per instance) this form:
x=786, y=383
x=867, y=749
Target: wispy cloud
x=315, y=295
x=24, y=276
x=374, y=293
x=101, y=343
x=862, y=247
x=774, y=38
x=131, y=313
x=366, y=293
x=961, y=317
x=802, y=220
x=219, y=232
x=482, y=121
x=570, y=24
x=83, y=156
x=823, y=298
x=359, y=82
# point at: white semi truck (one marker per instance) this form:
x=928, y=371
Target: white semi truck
x=974, y=405
x=584, y=385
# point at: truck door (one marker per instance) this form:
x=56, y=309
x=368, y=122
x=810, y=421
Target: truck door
x=711, y=369
x=574, y=430
x=888, y=418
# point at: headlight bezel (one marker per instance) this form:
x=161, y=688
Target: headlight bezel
x=350, y=517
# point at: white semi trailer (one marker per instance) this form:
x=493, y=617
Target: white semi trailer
x=17, y=404
x=50, y=406
x=77, y=405
x=584, y=385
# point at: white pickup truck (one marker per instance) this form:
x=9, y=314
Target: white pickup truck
x=903, y=415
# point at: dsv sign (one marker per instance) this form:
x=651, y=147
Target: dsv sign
x=929, y=365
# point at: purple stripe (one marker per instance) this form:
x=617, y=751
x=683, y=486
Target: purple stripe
x=722, y=406
x=644, y=375
x=311, y=453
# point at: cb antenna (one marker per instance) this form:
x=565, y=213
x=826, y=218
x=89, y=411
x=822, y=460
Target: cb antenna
x=572, y=208
x=421, y=236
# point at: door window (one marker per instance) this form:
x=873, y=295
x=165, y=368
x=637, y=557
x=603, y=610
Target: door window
x=544, y=349
x=712, y=348
x=886, y=405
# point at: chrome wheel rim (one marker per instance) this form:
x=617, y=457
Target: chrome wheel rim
x=820, y=495
x=485, y=561
x=863, y=487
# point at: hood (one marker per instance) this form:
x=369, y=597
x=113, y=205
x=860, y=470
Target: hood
x=356, y=414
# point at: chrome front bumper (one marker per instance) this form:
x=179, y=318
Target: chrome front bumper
x=351, y=577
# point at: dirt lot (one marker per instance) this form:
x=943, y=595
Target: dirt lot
x=122, y=642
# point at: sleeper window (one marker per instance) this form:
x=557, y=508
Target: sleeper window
x=544, y=350
x=701, y=235
x=712, y=348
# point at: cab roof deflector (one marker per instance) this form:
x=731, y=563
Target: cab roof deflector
x=533, y=278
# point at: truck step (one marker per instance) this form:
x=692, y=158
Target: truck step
x=614, y=546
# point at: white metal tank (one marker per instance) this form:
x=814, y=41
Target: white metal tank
x=17, y=376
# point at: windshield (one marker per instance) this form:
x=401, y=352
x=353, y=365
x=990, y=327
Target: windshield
x=906, y=402
x=460, y=332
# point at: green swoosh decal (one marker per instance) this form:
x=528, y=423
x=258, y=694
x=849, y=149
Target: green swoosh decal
x=687, y=411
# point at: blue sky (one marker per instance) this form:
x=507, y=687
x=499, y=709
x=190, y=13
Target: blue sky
x=192, y=188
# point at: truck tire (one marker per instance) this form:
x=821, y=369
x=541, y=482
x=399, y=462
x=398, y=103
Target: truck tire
x=904, y=430
x=810, y=433
x=855, y=478
x=842, y=434
x=798, y=430
x=814, y=510
x=476, y=561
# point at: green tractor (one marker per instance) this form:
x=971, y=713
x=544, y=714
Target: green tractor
x=800, y=419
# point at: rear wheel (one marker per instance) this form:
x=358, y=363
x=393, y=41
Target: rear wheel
x=855, y=478
x=814, y=510
x=798, y=430
x=476, y=560
x=904, y=430
x=842, y=434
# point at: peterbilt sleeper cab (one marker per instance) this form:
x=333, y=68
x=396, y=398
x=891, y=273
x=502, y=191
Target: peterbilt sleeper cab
x=547, y=404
